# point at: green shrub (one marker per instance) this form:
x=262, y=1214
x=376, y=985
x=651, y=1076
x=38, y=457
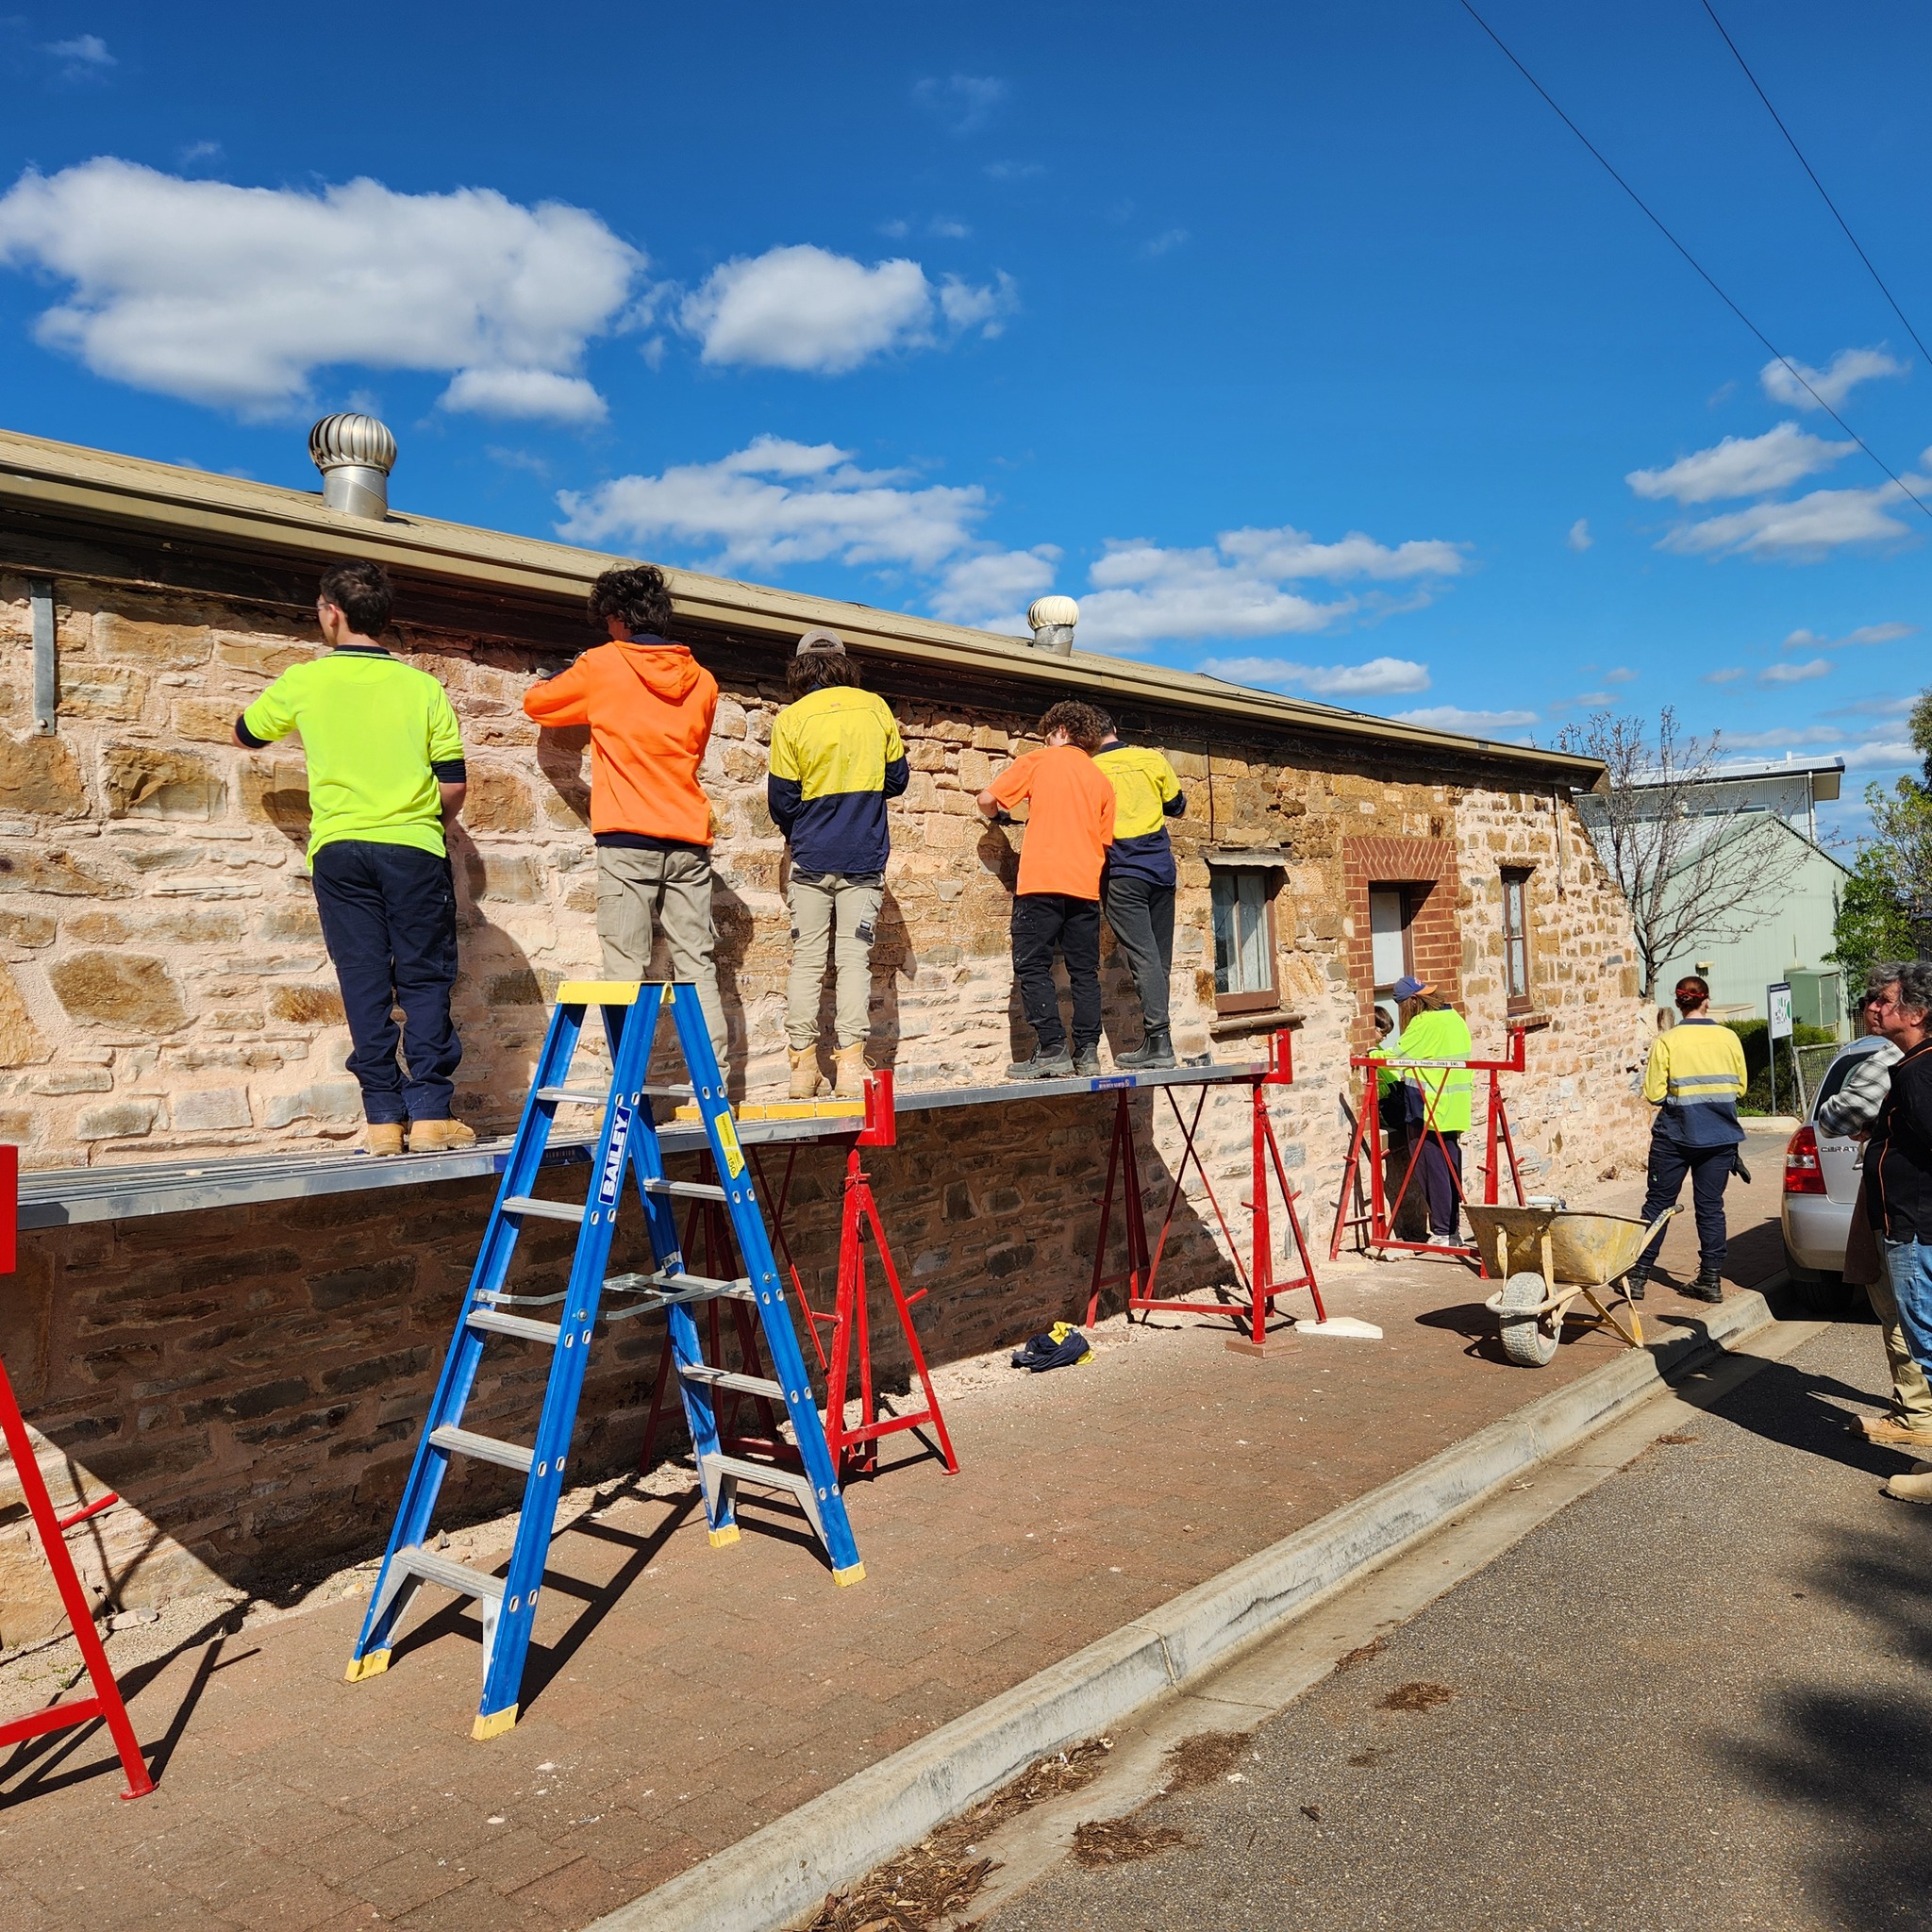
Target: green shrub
x=1755, y=1035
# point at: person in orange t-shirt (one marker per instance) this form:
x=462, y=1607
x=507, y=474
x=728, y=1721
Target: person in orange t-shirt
x=649, y=704
x=1070, y=804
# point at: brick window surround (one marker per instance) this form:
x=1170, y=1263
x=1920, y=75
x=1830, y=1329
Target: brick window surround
x=1427, y=868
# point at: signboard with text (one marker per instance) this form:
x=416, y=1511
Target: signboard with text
x=1777, y=1000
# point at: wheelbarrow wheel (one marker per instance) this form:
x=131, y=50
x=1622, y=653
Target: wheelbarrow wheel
x=1529, y=1340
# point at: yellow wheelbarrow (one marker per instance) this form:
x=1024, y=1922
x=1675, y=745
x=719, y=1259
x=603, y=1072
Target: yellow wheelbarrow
x=1548, y=1258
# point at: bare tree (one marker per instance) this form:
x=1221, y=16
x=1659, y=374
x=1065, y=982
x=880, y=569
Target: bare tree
x=1694, y=863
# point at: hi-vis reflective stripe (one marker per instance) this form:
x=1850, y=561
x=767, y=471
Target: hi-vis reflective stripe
x=1704, y=1083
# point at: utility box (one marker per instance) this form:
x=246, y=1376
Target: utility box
x=1818, y=996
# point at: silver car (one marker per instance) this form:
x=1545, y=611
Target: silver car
x=1822, y=1174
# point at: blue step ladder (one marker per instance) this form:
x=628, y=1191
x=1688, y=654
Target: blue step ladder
x=628, y=1139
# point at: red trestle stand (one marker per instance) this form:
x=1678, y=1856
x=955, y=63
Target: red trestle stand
x=1259, y=1287
x=106, y=1703
x=1373, y=1221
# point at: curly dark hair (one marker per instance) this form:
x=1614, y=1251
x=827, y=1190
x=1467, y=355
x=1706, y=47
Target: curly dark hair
x=1085, y=725
x=810, y=671
x=1692, y=992
x=639, y=595
x=360, y=588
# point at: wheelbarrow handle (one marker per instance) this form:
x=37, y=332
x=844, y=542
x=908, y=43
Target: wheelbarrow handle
x=1650, y=1233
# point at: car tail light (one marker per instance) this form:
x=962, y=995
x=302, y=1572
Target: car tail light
x=1803, y=1176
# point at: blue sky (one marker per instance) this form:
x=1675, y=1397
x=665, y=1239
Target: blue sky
x=1304, y=344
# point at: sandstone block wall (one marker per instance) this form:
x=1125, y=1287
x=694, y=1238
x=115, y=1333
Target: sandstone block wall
x=251, y=1379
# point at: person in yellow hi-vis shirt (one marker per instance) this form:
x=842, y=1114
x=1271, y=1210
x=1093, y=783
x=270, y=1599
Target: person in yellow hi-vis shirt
x=1137, y=889
x=1694, y=1079
x=386, y=779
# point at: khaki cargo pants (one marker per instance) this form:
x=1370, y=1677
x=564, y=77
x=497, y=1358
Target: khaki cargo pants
x=840, y=912
x=641, y=892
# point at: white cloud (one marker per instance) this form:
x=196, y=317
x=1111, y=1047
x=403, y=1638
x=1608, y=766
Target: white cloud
x=1741, y=466
x=1378, y=677
x=527, y=395
x=1795, y=674
x=1011, y=171
x=778, y=503
x=991, y=590
x=1865, y=634
x=83, y=53
x=1802, y=530
x=1579, y=536
x=1454, y=718
x=1829, y=386
x=805, y=308
x=1164, y=243
x=1780, y=739
x=1621, y=674
x=962, y=103
x=1874, y=707
x=237, y=296
x=1729, y=675
x=1881, y=753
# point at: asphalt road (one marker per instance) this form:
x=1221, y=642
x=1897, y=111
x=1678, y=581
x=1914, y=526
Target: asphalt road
x=1699, y=1698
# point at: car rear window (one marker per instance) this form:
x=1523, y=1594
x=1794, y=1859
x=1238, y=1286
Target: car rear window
x=1835, y=1079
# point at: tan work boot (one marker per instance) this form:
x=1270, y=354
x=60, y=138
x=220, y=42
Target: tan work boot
x=849, y=1061
x=1916, y=1487
x=806, y=1077
x=439, y=1137
x=383, y=1137
x=1890, y=1428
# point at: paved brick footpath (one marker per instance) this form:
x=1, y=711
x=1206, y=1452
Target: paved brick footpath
x=682, y=1697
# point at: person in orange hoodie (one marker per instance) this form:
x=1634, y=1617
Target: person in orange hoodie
x=649, y=704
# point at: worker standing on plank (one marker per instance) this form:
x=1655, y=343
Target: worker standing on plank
x=1138, y=883
x=837, y=756
x=385, y=780
x=1435, y=1099
x=649, y=704
x=1694, y=1078
x=1057, y=905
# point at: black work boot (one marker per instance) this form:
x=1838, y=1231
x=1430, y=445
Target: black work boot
x=1086, y=1061
x=1043, y=1066
x=1635, y=1281
x=1708, y=1286
x=1157, y=1050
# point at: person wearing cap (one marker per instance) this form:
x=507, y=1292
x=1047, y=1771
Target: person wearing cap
x=1435, y=1099
x=837, y=758
x=1694, y=1078
x=1070, y=815
x=1137, y=882
x=649, y=704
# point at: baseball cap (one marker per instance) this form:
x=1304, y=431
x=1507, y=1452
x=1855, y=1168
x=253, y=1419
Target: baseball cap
x=819, y=640
x=1407, y=986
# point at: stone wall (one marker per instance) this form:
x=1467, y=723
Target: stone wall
x=251, y=1379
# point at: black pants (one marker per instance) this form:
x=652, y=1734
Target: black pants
x=389, y=917
x=1141, y=915
x=1041, y=922
x=1709, y=1168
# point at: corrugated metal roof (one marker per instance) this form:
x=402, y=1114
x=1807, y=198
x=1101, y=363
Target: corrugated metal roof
x=98, y=488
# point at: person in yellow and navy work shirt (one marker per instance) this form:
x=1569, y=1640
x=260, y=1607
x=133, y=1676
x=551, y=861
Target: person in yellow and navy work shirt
x=386, y=776
x=1137, y=886
x=837, y=756
x=1694, y=1079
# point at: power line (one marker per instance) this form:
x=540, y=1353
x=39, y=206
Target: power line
x=1839, y=219
x=1797, y=375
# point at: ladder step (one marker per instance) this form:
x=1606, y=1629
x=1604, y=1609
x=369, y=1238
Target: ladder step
x=520, y=1326
x=547, y=1211
x=452, y=1575
x=484, y=1448
x=730, y=1378
x=764, y=1473
x=688, y=1190
x=582, y=1099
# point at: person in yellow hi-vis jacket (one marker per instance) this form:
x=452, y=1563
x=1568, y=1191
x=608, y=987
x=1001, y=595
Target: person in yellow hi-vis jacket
x=1435, y=1099
x=1137, y=885
x=1694, y=1078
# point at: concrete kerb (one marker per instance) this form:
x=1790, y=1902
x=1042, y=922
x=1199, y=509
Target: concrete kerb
x=780, y=1874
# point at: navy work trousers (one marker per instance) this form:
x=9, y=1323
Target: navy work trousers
x=1709, y=1168
x=1441, y=1187
x=1042, y=923
x=389, y=918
